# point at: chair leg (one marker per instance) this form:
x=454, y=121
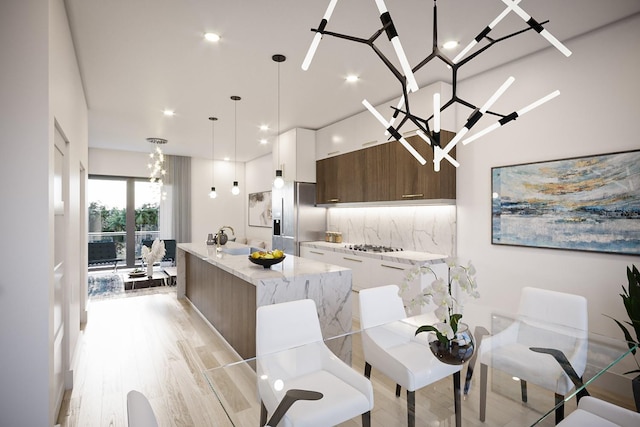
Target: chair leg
x=398, y=388
x=367, y=370
x=559, y=409
x=456, y=398
x=411, y=408
x=483, y=391
x=366, y=419
x=523, y=390
x=263, y=414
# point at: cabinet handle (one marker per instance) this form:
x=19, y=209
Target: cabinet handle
x=364, y=144
x=392, y=266
x=332, y=153
x=351, y=259
x=333, y=200
x=317, y=253
x=408, y=196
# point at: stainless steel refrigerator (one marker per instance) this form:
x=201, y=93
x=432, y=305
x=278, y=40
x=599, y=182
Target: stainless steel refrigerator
x=295, y=217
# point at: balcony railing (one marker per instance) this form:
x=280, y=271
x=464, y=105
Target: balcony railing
x=120, y=238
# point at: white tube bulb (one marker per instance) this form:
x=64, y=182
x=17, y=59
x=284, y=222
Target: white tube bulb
x=413, y=151
x=444, y=155
x=520, y=112
x=497, y=94
x=404, y=63
x=316, y=39
x=436, y=112
x=375, y=113
x=455, y=140
x=312, y=51
x=464, y=51
x=423, y=136
x=538, y=103
x=492, y=25
x=482, y=133
x=544, y=33
x=402, y=141
x=555, y=42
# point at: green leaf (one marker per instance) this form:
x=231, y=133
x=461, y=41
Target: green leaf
x=429, y=328
x=630, y=342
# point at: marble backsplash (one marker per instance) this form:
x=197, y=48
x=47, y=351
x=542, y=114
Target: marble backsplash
x=417, y=228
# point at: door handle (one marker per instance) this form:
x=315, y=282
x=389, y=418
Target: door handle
x=391, y=266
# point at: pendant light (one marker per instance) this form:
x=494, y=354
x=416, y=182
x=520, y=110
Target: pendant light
x=213, y=193
x=278, y=182
x=235, y=190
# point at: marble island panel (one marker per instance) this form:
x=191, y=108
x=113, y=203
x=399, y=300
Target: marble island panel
x=293, y=279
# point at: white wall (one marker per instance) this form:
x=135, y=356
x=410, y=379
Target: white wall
x=208, y=215
x=597, y=112
x=118, y=163
x=259, y=177
x=39, y=85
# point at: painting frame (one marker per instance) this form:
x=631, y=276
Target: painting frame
x=588, y=203
x=260, y=209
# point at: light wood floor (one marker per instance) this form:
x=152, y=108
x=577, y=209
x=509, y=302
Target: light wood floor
x=161, y=347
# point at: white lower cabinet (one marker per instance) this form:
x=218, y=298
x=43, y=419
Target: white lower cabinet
x=370, y=273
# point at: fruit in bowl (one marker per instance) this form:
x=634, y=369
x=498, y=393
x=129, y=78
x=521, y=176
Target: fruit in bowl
x=267, y=258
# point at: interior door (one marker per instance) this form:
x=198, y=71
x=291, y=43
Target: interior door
x=60, y=186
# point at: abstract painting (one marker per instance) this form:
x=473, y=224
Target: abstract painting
x=587, y=203
x=260, y=209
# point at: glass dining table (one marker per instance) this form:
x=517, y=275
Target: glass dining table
x=236, y=385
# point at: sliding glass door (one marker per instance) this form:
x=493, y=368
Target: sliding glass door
x=125, y=211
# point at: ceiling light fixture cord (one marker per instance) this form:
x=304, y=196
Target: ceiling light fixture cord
x=278, y=182
x=235, y=190
x=213, y=194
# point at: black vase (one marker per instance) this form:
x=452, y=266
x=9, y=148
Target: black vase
x=458, y=350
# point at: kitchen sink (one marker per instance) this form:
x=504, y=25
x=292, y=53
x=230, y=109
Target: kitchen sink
x=244, y=250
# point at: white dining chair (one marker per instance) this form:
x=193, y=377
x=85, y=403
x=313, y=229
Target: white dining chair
x=393, y=349
x=139, y=410
x=593, y=412
x=545, y=319
x=292, y=359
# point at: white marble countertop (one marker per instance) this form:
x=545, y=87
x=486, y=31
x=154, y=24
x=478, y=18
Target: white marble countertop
x=240, y=266
x=403, y=257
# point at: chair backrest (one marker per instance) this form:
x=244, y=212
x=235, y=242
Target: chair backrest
x=139, y=410
x=380, y=305
x=101, y=251
x=554, y=307
x=286, y=325
x=169, y=248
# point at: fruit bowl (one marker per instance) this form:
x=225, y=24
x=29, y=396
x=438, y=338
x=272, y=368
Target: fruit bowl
x=266, y=262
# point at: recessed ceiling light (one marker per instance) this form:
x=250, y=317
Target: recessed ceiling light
x=168, y=112
x=264, y=127
x=451, y=44
x=263, y=141
x=226, y=159
x=351, y=78
x=212, y=37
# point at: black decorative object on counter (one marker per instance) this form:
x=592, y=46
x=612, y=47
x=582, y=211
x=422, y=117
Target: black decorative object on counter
x=267, y=262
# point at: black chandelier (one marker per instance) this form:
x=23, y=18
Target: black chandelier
x=408, y=82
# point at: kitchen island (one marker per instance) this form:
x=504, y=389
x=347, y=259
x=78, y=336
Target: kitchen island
x=226, y=288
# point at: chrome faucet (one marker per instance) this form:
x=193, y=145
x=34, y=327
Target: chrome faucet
x=220, y=233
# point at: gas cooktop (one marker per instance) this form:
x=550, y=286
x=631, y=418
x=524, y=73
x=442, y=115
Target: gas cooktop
x=372, y=248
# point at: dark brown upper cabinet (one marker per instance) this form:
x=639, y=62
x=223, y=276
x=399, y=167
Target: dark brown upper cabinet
x=385, y=172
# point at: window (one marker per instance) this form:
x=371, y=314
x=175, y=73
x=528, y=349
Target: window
x=125, y=211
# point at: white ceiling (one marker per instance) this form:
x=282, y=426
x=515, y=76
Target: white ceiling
x=138, y=57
